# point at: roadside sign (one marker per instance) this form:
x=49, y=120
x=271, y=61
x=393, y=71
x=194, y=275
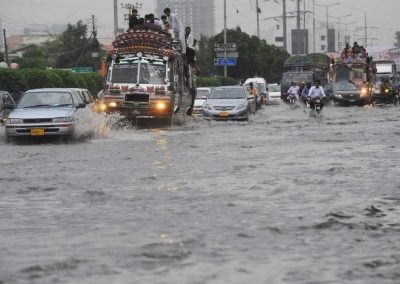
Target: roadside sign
x=225, y=61
x=82, y=69
x=279, y=39
x=225, y=47
x=231, y=54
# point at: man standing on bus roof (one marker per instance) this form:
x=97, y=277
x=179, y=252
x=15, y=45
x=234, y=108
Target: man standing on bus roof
x=177, y=28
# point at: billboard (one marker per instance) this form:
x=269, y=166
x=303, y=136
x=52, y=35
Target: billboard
x=300, y=41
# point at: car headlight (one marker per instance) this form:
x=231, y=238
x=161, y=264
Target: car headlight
x=241, y=106
x=207, y=106
x=112, y=104
x=14, y=120
x=338, y=96
x=62, y=119
x=386, y=90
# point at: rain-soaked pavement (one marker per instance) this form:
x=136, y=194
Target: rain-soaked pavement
x=283, y=198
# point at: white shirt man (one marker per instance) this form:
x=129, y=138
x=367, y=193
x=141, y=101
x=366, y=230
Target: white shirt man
x=177, y=28
x=316, y=91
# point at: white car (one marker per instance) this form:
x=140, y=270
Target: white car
x=274, y=94
x=46, y=112
x=201, y=96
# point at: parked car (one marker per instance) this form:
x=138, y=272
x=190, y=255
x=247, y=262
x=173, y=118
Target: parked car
x=46, y=112
x=229, y=103
x=7, y=104
x=274, y=94
x=347, y=93
x=201, y=96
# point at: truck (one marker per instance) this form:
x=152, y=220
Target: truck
x=386, y=82
x=148, y=78
x=304, y=68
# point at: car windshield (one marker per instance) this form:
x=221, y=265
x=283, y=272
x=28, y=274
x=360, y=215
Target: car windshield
x=227, y=93
x=202, y=93
x=125, y=73
x=274, y=88
x=45, y=99
x=152, y=73
x=345, y=87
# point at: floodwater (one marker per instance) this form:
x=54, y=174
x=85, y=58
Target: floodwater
x=283, y=198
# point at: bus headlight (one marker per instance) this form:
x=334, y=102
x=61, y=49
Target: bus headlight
x=364, y=91
x=112, y=104
x=161, y=106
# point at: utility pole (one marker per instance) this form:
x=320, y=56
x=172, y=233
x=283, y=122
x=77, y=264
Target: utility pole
x=258, y=11
x=225, y=66
x=313, y=11
x=115, y=17
x=298, y=15
x=94, y=32
x=5, y=45
x=284, y=25
x=365, y=29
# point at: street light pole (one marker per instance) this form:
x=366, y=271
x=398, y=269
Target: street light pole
x=327, y=20
x=258, y=19
x=115, y=17
x=338, y=31
x=225, y=66
x=313, y=25
x=284, y=25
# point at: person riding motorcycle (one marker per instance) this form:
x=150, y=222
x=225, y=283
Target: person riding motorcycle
x=253, y=91
x=305, y=92
x=385, y=88
x=316, y=92
x=293, y=92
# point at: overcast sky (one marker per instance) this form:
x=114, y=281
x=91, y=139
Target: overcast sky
x=383, y=17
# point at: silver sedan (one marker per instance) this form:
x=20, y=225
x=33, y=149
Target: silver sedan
x=229, y=103
x=46, y=112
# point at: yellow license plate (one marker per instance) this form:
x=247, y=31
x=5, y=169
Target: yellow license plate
x=37, y=131
x=224, y=113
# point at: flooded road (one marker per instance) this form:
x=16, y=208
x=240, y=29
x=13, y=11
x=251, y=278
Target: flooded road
x=283, y=198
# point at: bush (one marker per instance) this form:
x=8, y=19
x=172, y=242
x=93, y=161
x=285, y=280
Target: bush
x=10, y=78
x=37, y=78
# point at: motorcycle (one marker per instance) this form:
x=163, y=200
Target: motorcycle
x=316, y=104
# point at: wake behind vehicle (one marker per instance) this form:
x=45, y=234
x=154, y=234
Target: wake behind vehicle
x=229, y=103
x=46, y=112
x=148, y=77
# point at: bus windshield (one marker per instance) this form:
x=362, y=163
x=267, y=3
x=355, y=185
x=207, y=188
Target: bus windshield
x=125, y=73
x=152, y=73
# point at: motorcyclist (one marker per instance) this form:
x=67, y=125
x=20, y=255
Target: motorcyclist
x=385, y=87
x=305, y=92
x=293, y=92
x=253, y=91
x=316, y=91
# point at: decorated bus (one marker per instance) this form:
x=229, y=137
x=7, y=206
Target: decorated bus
x=148, y=77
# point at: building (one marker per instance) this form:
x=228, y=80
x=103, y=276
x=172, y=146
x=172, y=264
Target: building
x=199, y=15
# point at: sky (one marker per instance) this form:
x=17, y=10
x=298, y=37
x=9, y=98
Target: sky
x=383, y=17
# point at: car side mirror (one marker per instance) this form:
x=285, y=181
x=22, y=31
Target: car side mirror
x=8, y=106
x=81, y=105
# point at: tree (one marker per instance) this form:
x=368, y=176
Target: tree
x=73, y=48
x=256, y=57
x=33, y=58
